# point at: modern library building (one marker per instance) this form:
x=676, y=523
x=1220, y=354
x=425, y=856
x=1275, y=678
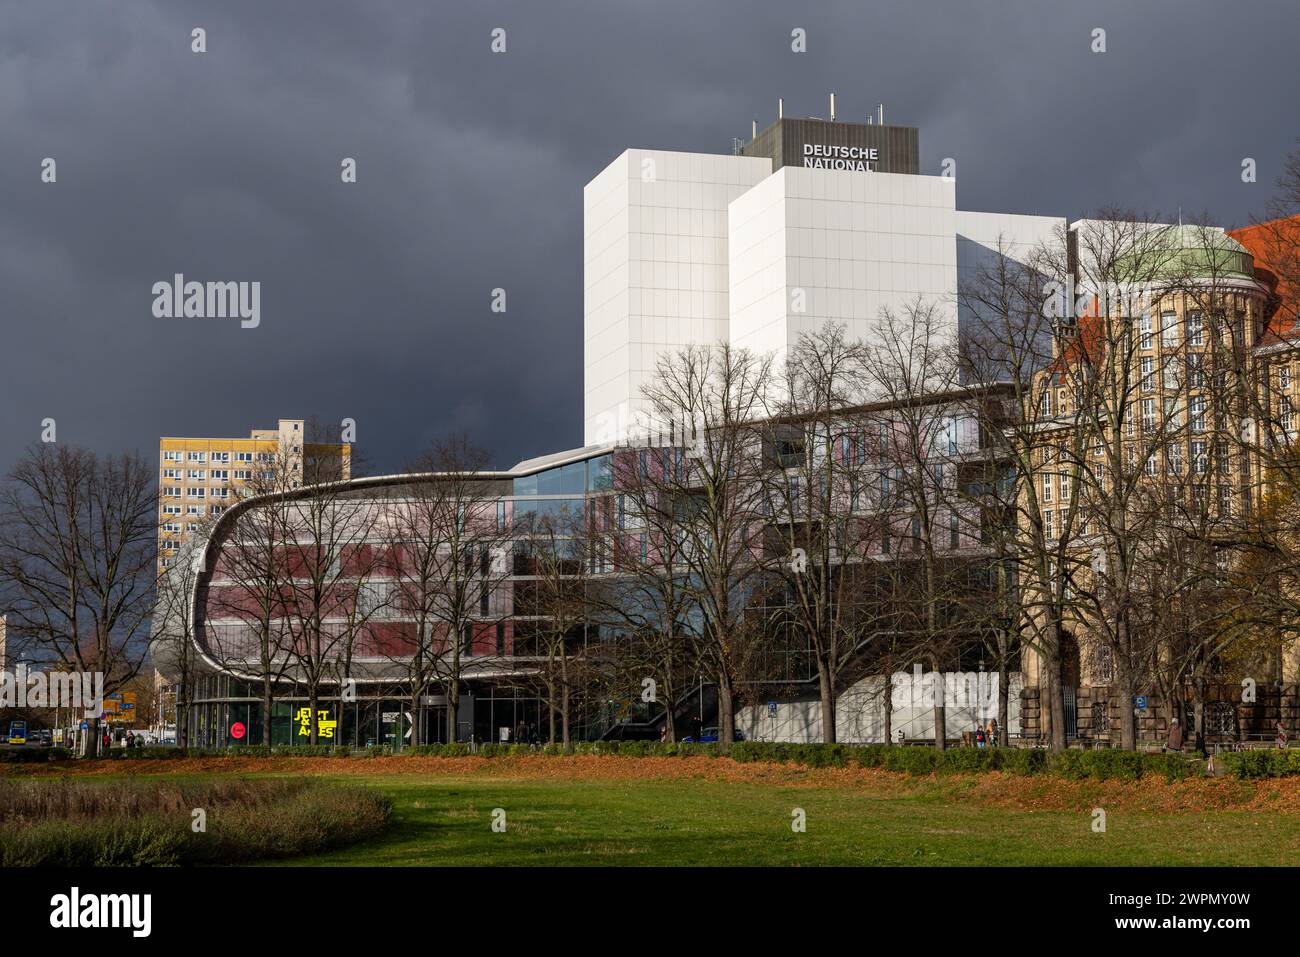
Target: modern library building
x=812, y=223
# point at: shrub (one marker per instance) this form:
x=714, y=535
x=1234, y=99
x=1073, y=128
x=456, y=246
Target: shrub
x=32, y=755
x=1023, y=761
x=871, y=755
x=964, y=760
x=437, y=750
x=641, y=749
x=1173, y=767
x=1113, y=764
x=1271, y=763
x=912, y=759
x=70, y=823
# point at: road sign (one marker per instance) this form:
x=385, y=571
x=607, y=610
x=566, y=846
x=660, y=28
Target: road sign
x=410, y=719
x=237, y=730
x=1140, y=702
x=771, y=707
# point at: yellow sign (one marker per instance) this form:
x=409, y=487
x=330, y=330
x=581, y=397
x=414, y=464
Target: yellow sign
x=324, y=726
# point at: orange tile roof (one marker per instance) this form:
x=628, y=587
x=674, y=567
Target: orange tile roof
x=1276, y=247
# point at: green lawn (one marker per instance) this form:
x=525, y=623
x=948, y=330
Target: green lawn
x=447, y=822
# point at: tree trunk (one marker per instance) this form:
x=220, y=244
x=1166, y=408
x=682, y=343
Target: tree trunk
x=1055, y=695
x=888, y=708
x=313, y=700
x=182, y=718
x=564, y=718
x=1127, y=719
x=1004, y=703
x=726, y=712
x=828, y=702
x=564, y=700
x=939, y=694
x=268, y=706
x=1198, y=704
x=453, y=703
x=550, y=707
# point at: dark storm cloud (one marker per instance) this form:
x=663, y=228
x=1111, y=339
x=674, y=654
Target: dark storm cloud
x=375, y=296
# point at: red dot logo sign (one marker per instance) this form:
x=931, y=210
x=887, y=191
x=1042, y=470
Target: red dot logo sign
x=237, y=730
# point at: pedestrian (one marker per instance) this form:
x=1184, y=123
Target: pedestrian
x=1175, y=740
x=1281, y=735
x=130, y=739
x=663, y=732
x=993, y=732
x=979, y=736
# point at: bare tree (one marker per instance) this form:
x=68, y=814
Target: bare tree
x=912, y=364
x=1121, y=419
x=1006, y=355
x=78, y=540
x=820, y=525
x=173, y=644
x=247, y=632
x=451, y=568
x=554, y=606
x=639, y=590
x=703, y=486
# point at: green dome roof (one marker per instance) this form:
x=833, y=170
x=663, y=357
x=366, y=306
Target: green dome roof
x=1191, y=252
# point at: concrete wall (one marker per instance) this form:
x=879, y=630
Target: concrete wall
x=859, y=714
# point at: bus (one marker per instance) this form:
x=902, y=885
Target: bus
x=17, y=732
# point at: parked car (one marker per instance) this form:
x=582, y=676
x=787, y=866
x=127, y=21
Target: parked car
x=711, y=735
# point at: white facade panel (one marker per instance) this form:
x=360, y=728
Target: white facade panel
x=811, y=247
x=656, y=261
x=982, y=240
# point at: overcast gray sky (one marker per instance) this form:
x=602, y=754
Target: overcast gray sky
x=375, y=295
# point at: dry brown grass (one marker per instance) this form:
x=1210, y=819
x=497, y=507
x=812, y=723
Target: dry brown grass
x=991, y=789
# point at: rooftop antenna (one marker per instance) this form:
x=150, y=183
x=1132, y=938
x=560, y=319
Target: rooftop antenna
x=754, y=130
x=780, y=107
x=881, y=108
x=832, y=107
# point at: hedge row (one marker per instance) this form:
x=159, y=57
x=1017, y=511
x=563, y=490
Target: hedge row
x=1099, y=764
x=631, y=748
x=32, y=755
x=910, y=759
x=1272, y=763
